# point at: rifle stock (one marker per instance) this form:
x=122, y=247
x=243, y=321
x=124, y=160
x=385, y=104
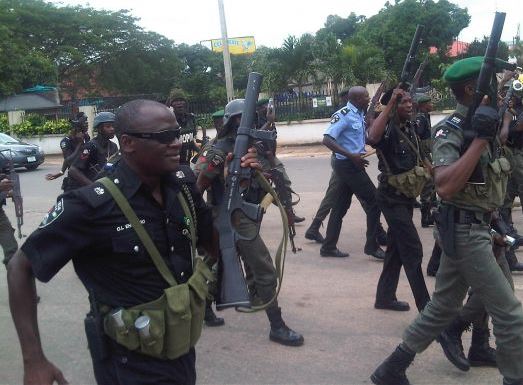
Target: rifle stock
x=233, y=289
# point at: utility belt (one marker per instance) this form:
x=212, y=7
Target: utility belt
x=467, y=217
x=169, y=326
x=447, y=216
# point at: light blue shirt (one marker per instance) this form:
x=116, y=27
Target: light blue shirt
x=347, y=128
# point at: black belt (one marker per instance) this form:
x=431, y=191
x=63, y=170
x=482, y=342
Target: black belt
x=467, y=217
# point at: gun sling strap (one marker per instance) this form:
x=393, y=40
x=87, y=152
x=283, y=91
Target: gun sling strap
x=279, y=258
x=148, y=243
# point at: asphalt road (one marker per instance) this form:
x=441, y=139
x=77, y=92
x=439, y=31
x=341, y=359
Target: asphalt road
x=329, y=301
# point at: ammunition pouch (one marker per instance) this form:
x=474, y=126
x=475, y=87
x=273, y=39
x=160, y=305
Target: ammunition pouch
x=176, y=319
x=410, y=183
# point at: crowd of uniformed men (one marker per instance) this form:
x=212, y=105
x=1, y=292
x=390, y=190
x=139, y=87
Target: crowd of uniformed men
x=146, y=220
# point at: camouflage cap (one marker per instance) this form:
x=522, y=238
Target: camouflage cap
x=218, y=114
x=468, y=68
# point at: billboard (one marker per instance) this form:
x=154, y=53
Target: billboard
x=237, y=45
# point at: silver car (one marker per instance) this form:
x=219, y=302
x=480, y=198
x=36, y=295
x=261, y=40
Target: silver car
x=21, y=154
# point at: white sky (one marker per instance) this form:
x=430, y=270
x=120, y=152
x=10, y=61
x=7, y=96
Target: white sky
x=271, y=21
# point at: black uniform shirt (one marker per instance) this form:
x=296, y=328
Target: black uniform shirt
x=423, y=126
x=87, y=227
x=68, y=146
x=93, y=157
x=399, y=155
x=188, y=131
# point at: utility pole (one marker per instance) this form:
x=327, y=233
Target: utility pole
x=226, y=56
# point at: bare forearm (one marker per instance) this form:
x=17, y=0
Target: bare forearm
x=332, y=145
x=22, y=301
x=451, y=179
x=378, y=125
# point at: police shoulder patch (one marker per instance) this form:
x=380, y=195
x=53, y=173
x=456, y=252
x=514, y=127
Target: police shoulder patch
x=441, y=133
x=335, y=118
x=53, y=214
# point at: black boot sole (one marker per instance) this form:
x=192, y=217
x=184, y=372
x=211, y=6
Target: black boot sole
x=486, y=364
x=381, y=381
x=451, y=358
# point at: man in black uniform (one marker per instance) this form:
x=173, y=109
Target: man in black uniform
x=400, y=163
x=87, y=227
x=71, y=146
x=187, y=121
x=94, y=154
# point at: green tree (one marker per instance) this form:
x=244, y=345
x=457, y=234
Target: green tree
x=391, y=30
x=342, y=28
x=478, y=48
x=296, y=60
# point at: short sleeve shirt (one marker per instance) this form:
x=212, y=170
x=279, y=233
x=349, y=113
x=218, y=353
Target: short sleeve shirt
x=87, y=227
x=347, y=128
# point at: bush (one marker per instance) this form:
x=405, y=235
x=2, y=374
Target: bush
x=36, y=127
x=4, y=123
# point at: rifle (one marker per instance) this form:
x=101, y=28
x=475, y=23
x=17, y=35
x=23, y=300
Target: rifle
x=369, y=117
x=16, y=195
x=417, y=75
x=407, y=67
x=286, y=200
x=487, y=74
x=233, y=289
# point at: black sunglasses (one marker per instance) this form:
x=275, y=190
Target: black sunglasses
x=164, y=137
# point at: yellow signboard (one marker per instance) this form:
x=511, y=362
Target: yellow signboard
x=237, y=45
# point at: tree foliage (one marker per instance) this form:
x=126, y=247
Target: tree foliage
x=89, y=51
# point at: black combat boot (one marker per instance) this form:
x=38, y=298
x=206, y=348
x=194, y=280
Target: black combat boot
x=210, y=318
x=450, y=341
x=480, y=352
x=392, y=370
x=313, y=232
x=280, y=332
x=512, y=260
x=426, y=216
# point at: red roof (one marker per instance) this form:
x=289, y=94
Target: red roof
x=457, y=48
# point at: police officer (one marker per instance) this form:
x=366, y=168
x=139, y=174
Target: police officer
x=400, y=182
x=464, y=217
x=345, y=136
x=187, y=121
x=94, y=154
x=88, y=227
x=428, y=200
x=330, y=197
x=71, y=146
x=260, y=269
x=217, y=121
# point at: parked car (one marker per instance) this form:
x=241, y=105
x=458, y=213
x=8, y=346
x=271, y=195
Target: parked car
x=21, y=154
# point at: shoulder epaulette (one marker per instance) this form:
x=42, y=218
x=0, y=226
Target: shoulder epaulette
x=455, y=120
x=184, y=174
x=95, y=194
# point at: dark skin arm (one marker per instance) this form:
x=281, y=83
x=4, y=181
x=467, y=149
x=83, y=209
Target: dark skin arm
x=79, y=176
x=22, y=301
x=332, y=145
x=451, y=179
x=377, y=129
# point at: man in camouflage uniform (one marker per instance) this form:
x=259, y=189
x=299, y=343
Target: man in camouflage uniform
x=255, y=255
x=463, y=221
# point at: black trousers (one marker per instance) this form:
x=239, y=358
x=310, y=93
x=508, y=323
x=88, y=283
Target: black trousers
x=352, y=181
x=124, y=367
x=403, y=249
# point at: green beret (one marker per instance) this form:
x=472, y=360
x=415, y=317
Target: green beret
x=262, y=102
x=468, y=68
x=422, y=98
x=218, y=114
